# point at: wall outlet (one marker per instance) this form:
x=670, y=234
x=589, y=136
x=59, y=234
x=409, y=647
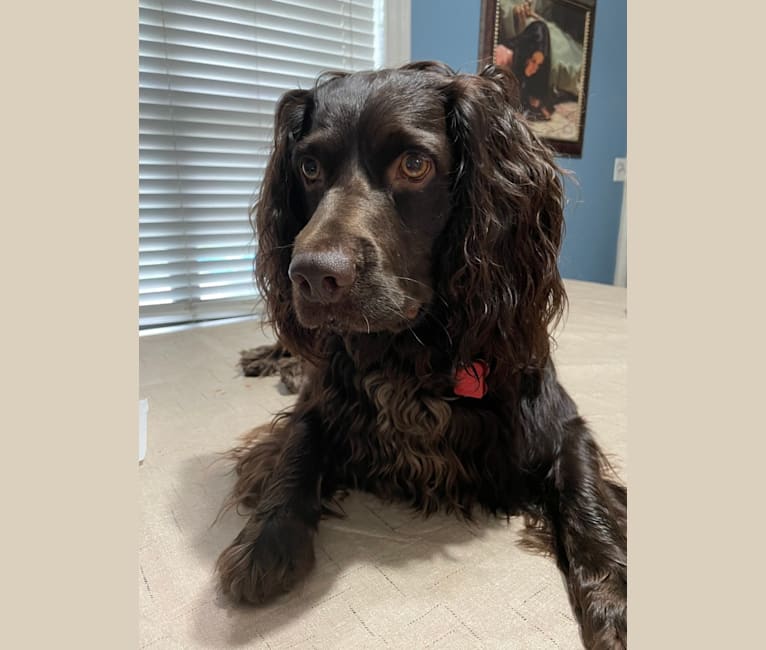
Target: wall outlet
x=620, y=170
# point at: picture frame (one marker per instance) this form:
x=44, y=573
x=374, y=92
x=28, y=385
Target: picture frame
x=547, y=44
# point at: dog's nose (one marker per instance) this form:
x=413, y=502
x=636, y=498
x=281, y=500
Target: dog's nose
x=322, y=276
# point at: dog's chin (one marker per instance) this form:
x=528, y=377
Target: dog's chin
x=356, y=319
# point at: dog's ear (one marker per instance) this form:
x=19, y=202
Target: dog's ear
x=500, y=261
x=277, y=219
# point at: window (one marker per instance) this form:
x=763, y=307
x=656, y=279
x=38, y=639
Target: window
x=210, y=74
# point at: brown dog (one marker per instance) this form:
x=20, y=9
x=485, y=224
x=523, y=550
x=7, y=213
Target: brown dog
x=409, y=224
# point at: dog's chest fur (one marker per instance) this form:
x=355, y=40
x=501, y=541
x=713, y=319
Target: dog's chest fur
x=401, y=437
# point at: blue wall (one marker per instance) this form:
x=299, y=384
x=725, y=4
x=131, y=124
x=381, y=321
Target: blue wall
x=448, y=30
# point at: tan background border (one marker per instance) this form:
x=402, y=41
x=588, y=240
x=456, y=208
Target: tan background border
x=695, y=251
x=70, y=316
x=69, y=266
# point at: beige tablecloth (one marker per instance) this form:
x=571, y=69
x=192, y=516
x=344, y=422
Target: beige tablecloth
x=383, y=578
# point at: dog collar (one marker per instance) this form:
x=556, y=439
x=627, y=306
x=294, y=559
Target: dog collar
x=470, y=380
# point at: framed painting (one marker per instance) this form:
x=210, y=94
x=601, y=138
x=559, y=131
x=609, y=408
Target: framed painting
x=547, y=45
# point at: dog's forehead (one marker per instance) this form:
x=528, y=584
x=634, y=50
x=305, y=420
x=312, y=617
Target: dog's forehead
x=350, y=102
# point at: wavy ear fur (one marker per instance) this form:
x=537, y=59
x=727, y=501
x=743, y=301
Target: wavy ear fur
x=502, y=278
x=275, y=220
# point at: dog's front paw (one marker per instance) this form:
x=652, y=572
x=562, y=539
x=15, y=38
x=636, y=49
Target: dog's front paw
x=262, y=361
x=266, y=559
x=291, y=371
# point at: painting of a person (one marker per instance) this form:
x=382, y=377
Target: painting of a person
x=565, y=49
x=528, y=55
x=546, y=44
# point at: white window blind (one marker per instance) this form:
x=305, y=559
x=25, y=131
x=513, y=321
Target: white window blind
x=210, y=75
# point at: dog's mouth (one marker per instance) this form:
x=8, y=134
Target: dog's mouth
x=359, y=316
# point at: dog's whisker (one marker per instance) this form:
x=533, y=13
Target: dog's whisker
x=428, y=314
x=413, y=280
x=427, y=286
x=417, y=338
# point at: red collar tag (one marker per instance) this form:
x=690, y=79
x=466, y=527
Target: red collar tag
x=470, y=381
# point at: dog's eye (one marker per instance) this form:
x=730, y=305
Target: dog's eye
x=310, y=168
x=414, y=166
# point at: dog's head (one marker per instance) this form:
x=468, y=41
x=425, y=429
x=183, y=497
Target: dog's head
x=399, y=196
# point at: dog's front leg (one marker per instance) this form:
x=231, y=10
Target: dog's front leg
x=275, y=548
x=589, y=520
